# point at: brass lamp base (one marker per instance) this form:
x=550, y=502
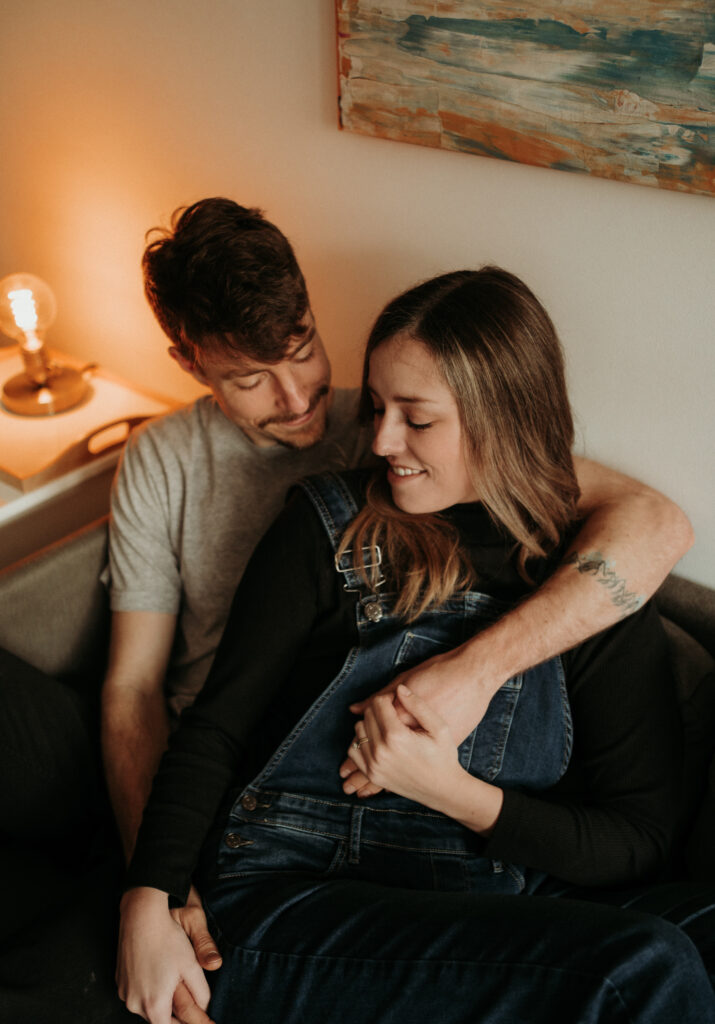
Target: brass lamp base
x=64, y=388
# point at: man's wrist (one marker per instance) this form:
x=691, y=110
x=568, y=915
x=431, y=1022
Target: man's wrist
x=487, y=661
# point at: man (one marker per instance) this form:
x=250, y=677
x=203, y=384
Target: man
x=197, y=489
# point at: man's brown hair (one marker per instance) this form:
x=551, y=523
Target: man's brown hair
x=223, y=280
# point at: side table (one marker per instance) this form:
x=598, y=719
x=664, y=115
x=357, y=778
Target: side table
x=56, y=471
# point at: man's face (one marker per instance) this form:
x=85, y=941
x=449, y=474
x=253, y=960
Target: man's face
x=273, y=403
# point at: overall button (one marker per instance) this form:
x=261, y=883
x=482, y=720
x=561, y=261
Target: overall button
x=249, y=802
x=233, y=841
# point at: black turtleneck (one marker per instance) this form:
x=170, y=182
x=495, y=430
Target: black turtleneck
x=610, y=820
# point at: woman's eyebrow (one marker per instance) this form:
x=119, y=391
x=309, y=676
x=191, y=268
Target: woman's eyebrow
x=405, y=399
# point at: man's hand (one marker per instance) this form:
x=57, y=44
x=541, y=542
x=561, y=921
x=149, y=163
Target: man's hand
x=192, y=919
x=449, y=684
x=158, y=975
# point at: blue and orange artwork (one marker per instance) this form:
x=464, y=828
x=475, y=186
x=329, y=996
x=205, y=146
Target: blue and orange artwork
x=623, y=90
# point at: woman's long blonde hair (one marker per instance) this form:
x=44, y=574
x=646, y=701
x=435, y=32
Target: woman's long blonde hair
x=498, y=351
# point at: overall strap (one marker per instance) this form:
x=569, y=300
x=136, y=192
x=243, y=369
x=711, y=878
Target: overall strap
x=333, y=502
x=336, y=507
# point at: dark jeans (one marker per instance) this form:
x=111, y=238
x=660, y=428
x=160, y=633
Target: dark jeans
x=442, y=957
x=353, y=951
x=60, y=861
x=322, y=915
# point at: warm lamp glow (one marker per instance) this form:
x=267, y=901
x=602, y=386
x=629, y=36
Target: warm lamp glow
x=27, y=308
x=24, y=308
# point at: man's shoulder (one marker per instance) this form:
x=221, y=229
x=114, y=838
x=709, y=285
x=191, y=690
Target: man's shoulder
x=345, y=402
x=346, y=433
x=178, y=434
x=196, y=417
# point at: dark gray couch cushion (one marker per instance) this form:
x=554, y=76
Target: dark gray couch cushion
x=55, y=610
x=694, y=670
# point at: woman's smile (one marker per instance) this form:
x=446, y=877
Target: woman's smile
x=417, y=428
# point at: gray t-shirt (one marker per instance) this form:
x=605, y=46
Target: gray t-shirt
x=192, y=498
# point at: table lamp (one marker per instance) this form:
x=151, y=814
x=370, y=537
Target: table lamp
x=27, y=308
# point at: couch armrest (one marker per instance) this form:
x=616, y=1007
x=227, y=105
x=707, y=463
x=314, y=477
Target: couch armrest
x=691, y=606
x=55, y=610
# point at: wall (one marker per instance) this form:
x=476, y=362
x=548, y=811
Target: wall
x=114, y=113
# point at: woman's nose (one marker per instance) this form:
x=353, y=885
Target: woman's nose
x=388, y=438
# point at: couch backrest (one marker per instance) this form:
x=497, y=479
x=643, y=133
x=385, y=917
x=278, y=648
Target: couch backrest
x=54, y=611
x=691, y=606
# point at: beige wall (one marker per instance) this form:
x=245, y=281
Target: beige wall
x=114, y=112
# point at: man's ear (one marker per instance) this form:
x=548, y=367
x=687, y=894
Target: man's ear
x=187, y=366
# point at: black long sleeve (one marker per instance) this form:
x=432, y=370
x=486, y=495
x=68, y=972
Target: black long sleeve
x=613, y=816
x=273, y=625
x=290, y=627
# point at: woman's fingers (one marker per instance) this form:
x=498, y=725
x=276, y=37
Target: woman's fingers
x=198, y=988
x=347, y=768
x=186, y=1009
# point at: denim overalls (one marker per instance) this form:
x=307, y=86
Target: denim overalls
x=295, y=817
x=328, y=908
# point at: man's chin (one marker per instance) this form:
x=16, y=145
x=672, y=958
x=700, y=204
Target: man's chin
x=300, y=437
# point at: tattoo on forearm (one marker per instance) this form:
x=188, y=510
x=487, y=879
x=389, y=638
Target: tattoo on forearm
x=594, y=564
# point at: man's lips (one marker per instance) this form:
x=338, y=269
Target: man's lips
x=297, y=421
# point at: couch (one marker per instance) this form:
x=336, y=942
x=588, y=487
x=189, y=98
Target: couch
x=55, y=615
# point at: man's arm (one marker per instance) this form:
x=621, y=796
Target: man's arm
x=135, y=730
x=631, y=538
x=135, y=722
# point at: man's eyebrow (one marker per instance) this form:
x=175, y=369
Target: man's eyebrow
x=242, y=373
x=259, y=369
x=406, y=399
x=310, y=328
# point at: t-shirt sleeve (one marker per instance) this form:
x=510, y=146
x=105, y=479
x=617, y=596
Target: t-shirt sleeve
x=614, y=816
x=143, y=571
x=271, y=618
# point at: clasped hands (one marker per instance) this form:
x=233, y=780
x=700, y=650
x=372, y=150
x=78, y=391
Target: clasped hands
x=413, y=726
x=162, y=958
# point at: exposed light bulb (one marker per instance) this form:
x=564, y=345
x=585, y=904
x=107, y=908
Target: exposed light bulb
x=24, y=308
x=27, y=309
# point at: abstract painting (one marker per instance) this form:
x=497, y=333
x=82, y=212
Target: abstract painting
x=623, y=89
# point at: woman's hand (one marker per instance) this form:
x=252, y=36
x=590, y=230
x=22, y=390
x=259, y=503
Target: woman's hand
x=157, y=969
x=420, y=763
x=452, y=683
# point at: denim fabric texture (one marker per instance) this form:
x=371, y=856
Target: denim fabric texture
x=330, y=908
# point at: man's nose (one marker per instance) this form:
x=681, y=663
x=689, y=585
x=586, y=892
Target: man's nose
x=293, y=395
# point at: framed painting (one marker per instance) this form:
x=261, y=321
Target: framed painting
x=620, y=90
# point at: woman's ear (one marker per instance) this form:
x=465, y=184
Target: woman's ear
x=186, y=366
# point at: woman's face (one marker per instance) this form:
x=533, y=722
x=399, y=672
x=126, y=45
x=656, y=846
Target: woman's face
x=417, y=428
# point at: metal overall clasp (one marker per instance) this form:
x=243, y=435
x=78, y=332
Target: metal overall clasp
x=370, y=602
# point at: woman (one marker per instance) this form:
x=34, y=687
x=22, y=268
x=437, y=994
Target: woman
x=397, y=907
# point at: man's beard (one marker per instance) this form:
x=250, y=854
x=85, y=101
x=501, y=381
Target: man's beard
x=295, y=442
